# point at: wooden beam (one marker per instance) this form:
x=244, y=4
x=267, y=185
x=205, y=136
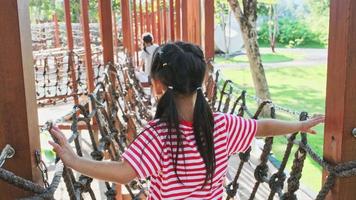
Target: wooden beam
x=164, y=11
x=68, y=21
x=339, y=144
x=178, y=19
x=184, y=15
x=57, y=38
x=126, y=26
x=194, y=24
x=148, y=24
x=208, y=29
x=106, y=30
x=136, y=40
x=153, y=20
x=159, y=22
x=87, y=48
x=18, y=109
x=171, y=19
x=141, y=20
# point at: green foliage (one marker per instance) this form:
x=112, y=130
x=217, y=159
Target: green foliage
x=222, y=7
x=307, y=29
x=318, y=19
x=320, y=7
x=49, y=155
x=292, y=33
x=43, y=10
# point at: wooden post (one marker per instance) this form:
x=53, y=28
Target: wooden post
x=164, y=11
x=159, y=22
x=70, y=44
x=18, y=109
x=105, y=18
x=136, y=40
x=339, y=144
x=126, y=26
x=153, y=19
x=184, y=14
x=86, y=35
x=209, y=29
x=106, y=30
x=171, y=19
x=192, y=27
x=68, y=21
x=57, y=39
x=178, y=20
x=141, y=20
x=148, y=24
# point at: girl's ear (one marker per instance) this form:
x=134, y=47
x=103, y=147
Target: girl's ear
x=158, y=87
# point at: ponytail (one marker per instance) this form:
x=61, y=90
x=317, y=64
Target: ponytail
x=144, y=49
x=182, y=66
x=167, y=112
x=203, y=126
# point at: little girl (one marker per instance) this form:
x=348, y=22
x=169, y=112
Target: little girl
x=185, y=149
x=146, y=57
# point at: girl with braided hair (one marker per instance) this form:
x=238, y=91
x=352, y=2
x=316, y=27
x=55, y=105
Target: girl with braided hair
x=185, y=149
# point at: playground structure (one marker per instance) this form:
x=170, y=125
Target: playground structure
x=117, y=103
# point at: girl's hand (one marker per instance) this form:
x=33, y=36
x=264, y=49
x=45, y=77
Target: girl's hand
x=310, y=123
x=62, y=148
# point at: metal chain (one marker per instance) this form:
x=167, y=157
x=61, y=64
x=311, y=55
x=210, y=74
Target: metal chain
x=42, y=167
x=258, y=100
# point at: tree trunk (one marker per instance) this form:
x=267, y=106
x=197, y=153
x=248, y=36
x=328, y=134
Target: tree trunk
x=247, y=20
x=273, y=26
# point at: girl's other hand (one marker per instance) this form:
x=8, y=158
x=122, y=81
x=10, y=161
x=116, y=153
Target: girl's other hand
x=306, y=126
x=62, y=148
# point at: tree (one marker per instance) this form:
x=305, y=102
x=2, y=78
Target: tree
x=246, y=15
x=272, y=22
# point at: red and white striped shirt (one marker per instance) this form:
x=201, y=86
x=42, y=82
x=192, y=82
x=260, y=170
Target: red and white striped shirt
x=150, y=156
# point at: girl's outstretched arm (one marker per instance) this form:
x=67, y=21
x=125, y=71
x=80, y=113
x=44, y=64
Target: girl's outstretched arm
x=118, y=172
x=272, y=127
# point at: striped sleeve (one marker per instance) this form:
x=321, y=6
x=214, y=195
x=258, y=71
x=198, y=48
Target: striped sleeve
x=144, y=153
x=240, y=133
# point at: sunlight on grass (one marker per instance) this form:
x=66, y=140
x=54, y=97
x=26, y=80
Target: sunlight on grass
x=297, y=88
x=266, y=58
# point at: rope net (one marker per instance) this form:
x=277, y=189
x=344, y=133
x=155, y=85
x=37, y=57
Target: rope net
x=232, y=99
x=118, y=108
x=60, y=74
x=43, y=35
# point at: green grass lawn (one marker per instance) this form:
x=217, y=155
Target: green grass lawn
x=305, y=46
x=266, y=58
x=297, y=88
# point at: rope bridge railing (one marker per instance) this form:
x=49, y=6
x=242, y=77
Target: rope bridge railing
x=60, y=74
x=43, y=35
x=228, y=97
x=116, y=109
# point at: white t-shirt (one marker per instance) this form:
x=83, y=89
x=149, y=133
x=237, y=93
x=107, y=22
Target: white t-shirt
x=147, y=57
